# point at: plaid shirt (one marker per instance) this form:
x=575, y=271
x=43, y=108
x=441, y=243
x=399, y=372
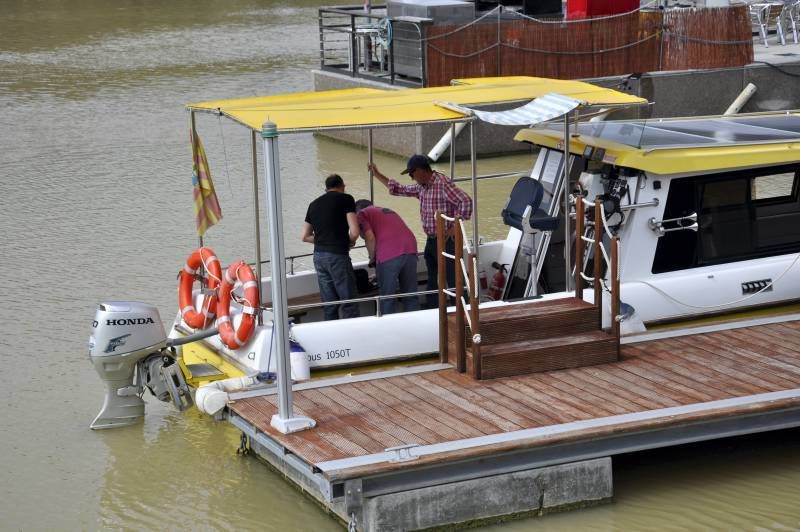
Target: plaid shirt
x=440, y=195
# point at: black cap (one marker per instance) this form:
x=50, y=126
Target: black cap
x=417, y=161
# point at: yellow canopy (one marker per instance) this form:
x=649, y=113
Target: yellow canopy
x=365, y=107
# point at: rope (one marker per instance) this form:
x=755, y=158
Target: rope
x=225, y=154
x=602, y=51
x=721, y=305
x=685, y=37
x=461, y=28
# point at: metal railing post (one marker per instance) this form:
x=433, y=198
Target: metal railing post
x=614, y=275
x=353, y=48
x=442, y=278
x=460, y=340
x=477, y=363
x=598, y=259
x=579, y=207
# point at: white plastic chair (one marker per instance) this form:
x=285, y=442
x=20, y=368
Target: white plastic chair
x=790, y=16
x=765, y=14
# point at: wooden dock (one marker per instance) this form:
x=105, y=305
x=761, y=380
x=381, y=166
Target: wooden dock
x=405, y=438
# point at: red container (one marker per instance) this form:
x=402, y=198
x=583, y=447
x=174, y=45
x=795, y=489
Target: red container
x=579, y=9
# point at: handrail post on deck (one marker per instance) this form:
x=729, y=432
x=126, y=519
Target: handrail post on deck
x=598, y=259
x=614, y=274
x=442, y=278
x=477, y=363
x=579, y=213
x=460, y=340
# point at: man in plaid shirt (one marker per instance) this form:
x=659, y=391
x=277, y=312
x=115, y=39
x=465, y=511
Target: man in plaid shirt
x=436, y=192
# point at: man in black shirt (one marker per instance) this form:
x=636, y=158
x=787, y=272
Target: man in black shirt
x=331, y=225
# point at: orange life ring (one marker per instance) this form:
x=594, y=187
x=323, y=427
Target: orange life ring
x=206, y=258
x=241, y=272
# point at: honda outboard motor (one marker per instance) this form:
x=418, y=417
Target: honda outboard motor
x=129, y=350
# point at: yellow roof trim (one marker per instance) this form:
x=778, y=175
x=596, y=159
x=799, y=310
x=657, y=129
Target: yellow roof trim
x=366, y=107
x=671, y=160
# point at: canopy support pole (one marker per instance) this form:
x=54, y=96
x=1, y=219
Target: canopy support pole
x=567, y=233
x=192, y=132
x=371, y=177
x=284, y=421
x=256, y=223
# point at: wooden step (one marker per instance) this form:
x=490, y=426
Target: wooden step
x=530, y=321
x=533, y=356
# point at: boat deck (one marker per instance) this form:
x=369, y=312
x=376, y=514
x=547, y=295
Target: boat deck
x=449, y=427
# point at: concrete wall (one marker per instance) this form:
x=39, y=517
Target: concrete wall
x=680, y=93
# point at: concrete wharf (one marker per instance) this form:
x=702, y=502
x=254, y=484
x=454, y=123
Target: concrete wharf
x=426, y=446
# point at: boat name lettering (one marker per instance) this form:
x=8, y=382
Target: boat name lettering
x=130, y=321
x=94, y=324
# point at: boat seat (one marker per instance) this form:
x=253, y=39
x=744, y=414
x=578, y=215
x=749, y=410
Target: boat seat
x=522, y=210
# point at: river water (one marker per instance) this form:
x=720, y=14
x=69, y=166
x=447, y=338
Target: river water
x=96, y=205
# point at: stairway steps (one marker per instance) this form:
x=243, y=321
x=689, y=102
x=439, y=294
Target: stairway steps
x=561, y=352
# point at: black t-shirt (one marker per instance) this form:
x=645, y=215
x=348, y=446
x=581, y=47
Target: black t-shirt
x=328, y=216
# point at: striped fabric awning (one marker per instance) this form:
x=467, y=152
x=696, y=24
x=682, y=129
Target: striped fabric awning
x=542, y=109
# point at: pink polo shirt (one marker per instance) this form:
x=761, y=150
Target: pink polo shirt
x=392, y=236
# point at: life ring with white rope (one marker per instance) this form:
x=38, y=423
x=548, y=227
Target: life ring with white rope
x=238, y=272
x=206, y=258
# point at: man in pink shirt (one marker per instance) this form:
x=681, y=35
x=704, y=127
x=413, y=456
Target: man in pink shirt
x=392, y=248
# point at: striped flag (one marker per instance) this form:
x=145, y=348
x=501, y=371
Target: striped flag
x=206, y=205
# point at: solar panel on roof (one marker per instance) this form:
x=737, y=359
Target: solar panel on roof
x=696, y=132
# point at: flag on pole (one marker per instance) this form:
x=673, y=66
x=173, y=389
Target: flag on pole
x=206, y=205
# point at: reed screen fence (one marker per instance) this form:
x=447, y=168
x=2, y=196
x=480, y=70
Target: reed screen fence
x=639, y=41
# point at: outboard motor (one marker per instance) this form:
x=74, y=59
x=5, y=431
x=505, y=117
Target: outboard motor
x=130, y=351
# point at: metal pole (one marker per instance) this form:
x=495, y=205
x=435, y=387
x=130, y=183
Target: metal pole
x=371, y=177
x=567, y=232
x=192, y=133
x=256, y=221
x=283, y=420
x=473, y=166
x=453, y=150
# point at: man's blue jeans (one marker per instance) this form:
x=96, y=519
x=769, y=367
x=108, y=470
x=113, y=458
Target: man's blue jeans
x=336, y=281
x=433, y=269
x=398, y=273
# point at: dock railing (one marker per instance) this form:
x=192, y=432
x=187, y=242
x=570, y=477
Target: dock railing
x=599, y=252
x=465, y=266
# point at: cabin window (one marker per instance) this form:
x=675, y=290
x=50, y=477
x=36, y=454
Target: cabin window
x=740, y=216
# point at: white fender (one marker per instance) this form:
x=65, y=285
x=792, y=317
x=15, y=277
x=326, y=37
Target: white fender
x=213, y=397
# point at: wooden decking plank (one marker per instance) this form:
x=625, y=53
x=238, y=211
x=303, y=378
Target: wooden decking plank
x=619, y=377
x=447, y=427
x=586, y=394
x=399, y=413
x=456, y=410
x=759, y=366
x=536, y=392
x=778, y=335
x=386, y=419
x=556, y=389
x=666, y=355
x=444, y=394
x=669, y=379
x=527, y=398
x=625, y=401
x=537, y=417
x=350, y=425
x=583, y=378
x=699, y=355
x=481, y=406
x=786, y=359
x=307, y=444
